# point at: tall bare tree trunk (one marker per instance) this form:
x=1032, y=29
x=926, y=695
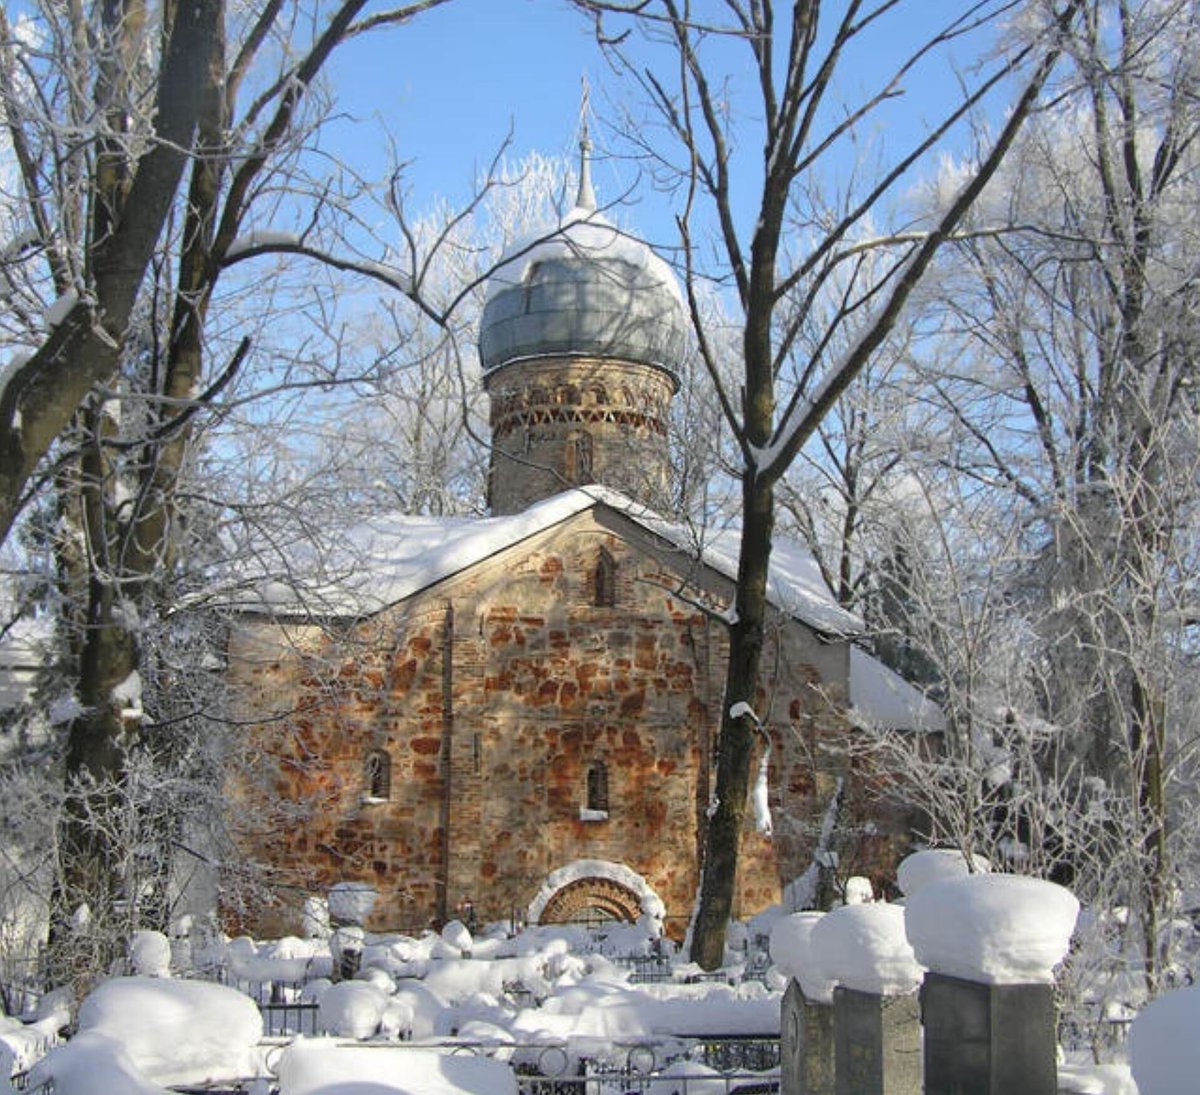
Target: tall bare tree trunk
x=735, y=745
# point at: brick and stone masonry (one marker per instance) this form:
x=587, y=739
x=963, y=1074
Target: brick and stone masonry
x=492, y=699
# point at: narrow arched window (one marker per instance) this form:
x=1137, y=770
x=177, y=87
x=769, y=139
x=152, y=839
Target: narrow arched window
x=579, y=457
x=377, y=774
x=597, y=787
x=605, y=581
x=583, y=461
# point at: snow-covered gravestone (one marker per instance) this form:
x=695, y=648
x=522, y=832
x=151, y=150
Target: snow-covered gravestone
x=350, y=903
x=806, y=1017
x=877, y=1026
x=991, y=943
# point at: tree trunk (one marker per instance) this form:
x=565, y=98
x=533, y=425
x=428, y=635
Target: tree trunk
x=735, y=743
x=90, y=848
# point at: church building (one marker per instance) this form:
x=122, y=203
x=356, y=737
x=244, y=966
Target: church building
x=517, y=714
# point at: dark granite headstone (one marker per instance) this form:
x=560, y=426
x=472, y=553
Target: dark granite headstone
x=988, y=1039
x=877, y=1043
x=807, y=1049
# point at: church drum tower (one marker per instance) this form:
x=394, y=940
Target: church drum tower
x=582, y=332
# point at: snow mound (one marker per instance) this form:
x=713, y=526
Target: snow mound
x=699, y=1078
x=91, y=1063
x=417, y=1008
x=352, y=1009
x=318, y=1066
x=352, y=902
x=1112, y=1079
x=934, y=864
x=859, y=890
x=793, y=953
x=172, y=1032
x=994, y=928
x=22, y=1044
x=150, y=954
x=864, y=947
x=1164, y=1050
x=285, y=959
x=458, y=936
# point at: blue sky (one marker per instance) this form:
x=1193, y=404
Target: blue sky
x=451, y=84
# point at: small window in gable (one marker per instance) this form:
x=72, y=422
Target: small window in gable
x=605, y=581
x=597, y=788
x=377, y=775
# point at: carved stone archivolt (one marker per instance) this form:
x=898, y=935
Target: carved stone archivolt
x=610, y=897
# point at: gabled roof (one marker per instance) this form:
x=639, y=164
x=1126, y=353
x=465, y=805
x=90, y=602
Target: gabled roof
x=387, y=559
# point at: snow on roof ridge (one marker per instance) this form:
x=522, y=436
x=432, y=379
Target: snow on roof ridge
x=399, y=556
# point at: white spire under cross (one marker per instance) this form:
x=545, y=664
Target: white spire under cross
x=587, y=196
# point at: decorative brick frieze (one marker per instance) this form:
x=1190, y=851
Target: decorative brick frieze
x=560, y=422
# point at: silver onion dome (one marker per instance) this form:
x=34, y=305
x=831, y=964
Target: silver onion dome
x=583, y=288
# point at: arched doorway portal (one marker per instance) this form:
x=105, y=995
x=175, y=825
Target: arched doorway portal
x=589, y=898
x=591, y=889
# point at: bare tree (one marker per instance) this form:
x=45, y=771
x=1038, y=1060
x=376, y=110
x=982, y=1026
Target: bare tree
x=152, y=152
x=1067, y=372
x=841, y=491
x=797, y=271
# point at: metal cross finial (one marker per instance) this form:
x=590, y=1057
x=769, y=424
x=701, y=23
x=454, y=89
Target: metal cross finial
x=587, y=196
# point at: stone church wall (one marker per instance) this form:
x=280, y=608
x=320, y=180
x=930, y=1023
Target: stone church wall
x=496, y=697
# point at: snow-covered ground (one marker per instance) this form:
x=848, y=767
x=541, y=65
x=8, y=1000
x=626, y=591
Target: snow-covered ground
x=454, y=1012
x=448, y=1012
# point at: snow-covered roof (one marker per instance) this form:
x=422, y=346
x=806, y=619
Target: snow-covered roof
x=885, y=699
x=391, y=557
